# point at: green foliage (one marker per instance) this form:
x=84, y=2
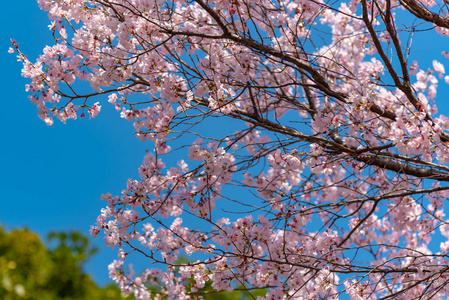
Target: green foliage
x=31, y=270
x=68, y=256
x=209, y=293
x=240, y=293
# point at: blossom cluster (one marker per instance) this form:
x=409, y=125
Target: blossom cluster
x=332, y=185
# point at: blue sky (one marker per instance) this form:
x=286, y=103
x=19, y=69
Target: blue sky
x=52, y=177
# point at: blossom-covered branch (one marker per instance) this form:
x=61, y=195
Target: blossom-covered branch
x=297, y=147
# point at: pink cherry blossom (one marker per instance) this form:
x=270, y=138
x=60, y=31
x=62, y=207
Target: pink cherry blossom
x=438, y=67
x=296, y=147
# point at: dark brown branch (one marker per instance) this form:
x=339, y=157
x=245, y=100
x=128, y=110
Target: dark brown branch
x=403, y=86
x=423, y=13
x=379, y=159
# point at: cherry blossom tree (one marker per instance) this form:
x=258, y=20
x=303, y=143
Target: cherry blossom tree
x=297, y=146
